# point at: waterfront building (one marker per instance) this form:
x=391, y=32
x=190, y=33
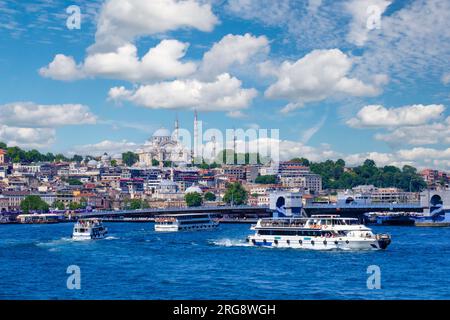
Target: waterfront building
x=436, y=179
x=132, y=185
x=47, y=197
x=3, y=203
x=366, y=194
x=251, y=172
x=2, y=156
x=310, y=182
x=168, y=190
x=234, y=172
x=14, y=198
x=27, y=168
x=292, y=169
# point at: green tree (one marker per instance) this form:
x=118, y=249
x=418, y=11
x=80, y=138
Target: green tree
x=129, y=158
x=209, y=196
x=301, y=161
x=193, y=199
x=269, y=179
x=61, y=158
x=3, y=145
x=235, y=194
x=49, y=157
x=77, y=158
x=168, y=164
x=83, y=203
x=74, y=206
x=74, y=182
x=135, y=204
x=155, y=162
x=114, y=163
x=59, y=205
x=33, y=203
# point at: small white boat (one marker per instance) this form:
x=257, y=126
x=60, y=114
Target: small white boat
x=89, y=229
x=185, y=222
x=319, y=232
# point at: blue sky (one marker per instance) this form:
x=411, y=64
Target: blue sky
x=351, y=79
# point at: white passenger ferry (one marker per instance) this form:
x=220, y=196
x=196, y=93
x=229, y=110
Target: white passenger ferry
x=185, y=222
x=319, y=232
x=89, y=229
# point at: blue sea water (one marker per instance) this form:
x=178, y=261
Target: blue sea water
x=134, y=262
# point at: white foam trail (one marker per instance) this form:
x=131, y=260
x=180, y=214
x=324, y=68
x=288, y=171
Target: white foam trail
x=230, y=243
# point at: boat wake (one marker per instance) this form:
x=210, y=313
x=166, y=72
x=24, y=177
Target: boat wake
x=55, y=242
x=230, y=243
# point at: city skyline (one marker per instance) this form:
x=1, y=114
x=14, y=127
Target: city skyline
x=336, y=82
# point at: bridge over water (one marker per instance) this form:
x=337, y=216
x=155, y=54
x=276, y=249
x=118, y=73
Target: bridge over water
x=350, y=210
x=428, y=200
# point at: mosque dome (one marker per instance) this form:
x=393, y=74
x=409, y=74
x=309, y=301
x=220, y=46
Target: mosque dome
x=92, y=163
x=193, y=189
x=105, y=157
x=161, y=132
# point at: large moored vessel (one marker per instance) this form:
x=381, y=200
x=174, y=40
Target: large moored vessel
x=319, y=232
x=185, y=222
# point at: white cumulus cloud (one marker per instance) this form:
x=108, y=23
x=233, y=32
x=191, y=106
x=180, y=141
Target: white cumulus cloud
x=317, y=76
x=159, y=63
x=62, y=68
x=31, y=125
x=123, y=21
x=108, y=146
x=428, y=134
x=230, y=50
x=30, y=138
x=29, y=114
x=379, y=116
x=223, y=94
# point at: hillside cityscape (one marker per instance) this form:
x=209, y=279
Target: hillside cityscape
x=31, y=181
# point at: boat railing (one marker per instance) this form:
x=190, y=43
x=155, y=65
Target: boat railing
x=283, y=223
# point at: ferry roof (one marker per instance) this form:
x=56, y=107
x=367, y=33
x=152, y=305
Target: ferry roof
x=37, y=215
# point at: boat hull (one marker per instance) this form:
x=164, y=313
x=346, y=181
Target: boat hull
x=318, y=243
x=432, y=224
x=193, y=227
x=88, y=236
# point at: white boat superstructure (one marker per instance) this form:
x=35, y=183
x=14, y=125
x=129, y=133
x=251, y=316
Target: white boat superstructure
x=89, y=229
x=185, y=222
x=319, y=232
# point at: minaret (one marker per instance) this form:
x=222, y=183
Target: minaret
x=234, y=147
x=213, y=156
x=195, y=134
x=176, y=129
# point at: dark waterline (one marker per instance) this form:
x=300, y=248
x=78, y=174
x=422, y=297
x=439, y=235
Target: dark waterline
x=134, y=262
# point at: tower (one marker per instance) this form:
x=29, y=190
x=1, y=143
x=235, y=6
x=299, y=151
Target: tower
x=195, y=134
x=213, y=155
x=176, y=129
x=235, y=160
